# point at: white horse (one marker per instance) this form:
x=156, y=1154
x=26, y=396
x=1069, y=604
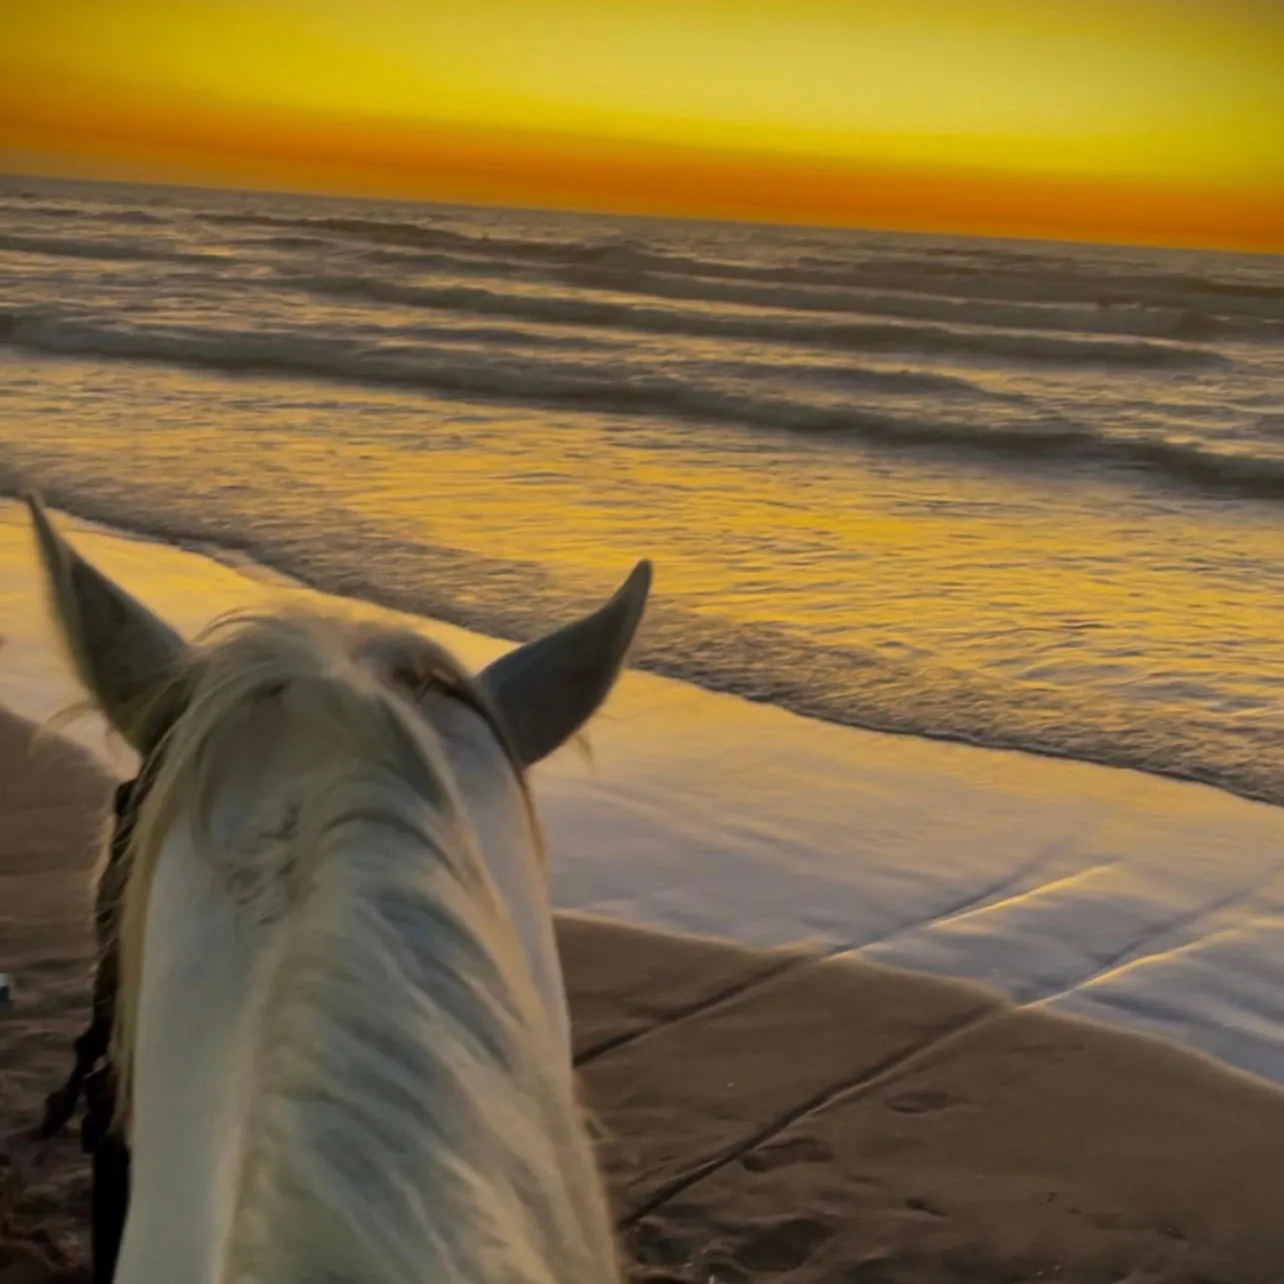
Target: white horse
x=341, y=1026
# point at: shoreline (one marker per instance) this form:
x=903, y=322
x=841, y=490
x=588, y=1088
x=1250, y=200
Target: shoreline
x=248, y=561
x=1130, y=899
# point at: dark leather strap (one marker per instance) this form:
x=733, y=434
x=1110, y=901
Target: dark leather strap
x=91, y=1074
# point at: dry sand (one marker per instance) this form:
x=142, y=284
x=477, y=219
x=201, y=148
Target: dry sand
x=770, y=1116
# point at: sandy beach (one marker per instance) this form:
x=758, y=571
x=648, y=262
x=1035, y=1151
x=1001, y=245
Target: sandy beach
x=768, y=1115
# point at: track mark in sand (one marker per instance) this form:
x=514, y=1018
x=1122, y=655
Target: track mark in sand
x=1121, y=960
x=864, y=1083
x=1005, y=891
x=1030, y=893
x=707, y=1004
x=1176, y=952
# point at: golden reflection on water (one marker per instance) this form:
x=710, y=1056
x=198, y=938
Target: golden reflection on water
x=1089, y=609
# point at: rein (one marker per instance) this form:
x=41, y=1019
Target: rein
x=92, y=1074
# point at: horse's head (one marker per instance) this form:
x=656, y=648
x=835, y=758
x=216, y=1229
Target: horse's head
x=133, y=665
x=336, y=955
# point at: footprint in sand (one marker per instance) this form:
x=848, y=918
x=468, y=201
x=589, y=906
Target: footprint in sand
x=924, y=1100
x=804, y=1150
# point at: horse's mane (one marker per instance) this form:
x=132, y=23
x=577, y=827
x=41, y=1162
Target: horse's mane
x=412, y=1115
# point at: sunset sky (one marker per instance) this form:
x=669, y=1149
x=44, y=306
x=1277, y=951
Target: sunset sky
x=1137, y=120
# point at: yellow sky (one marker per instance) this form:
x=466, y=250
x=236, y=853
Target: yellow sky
x=1122, y=97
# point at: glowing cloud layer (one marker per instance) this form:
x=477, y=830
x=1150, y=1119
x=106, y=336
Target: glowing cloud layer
x=1093, y=117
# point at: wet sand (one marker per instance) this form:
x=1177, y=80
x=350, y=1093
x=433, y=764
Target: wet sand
x=769, y=1115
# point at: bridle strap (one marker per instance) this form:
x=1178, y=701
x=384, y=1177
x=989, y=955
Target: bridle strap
x=94, y=1042
x=92, y=1075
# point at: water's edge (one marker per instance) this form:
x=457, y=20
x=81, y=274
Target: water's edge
x=247, y=558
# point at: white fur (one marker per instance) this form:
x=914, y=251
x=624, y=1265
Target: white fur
x=344, y=1029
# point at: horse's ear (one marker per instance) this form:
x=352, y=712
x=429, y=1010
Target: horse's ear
x=548, y=689
x=123, y=655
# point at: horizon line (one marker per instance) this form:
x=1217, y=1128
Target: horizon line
x=207, y=182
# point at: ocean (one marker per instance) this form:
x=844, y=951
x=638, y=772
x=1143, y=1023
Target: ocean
x=1025, y=495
